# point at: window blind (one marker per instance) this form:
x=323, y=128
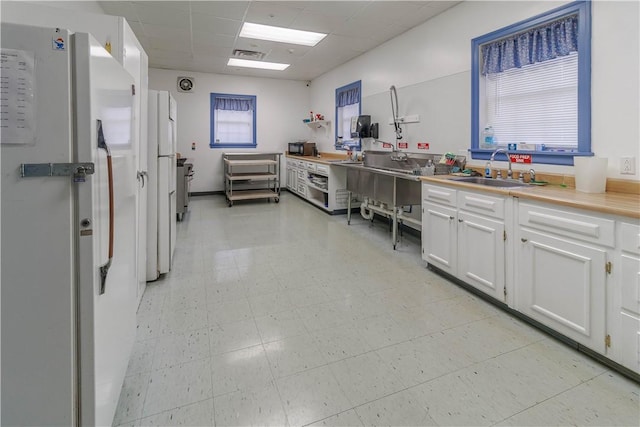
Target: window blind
x=344, y=116
x=233, y=127
x=535, y=104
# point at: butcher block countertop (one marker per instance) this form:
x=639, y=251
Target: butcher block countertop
x=622, y=196
x=323, y=158
x=624, y=200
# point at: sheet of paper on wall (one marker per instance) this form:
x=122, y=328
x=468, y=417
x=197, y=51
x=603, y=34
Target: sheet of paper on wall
x=17, y=97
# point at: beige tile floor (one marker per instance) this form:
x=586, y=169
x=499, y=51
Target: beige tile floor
x=279, y=314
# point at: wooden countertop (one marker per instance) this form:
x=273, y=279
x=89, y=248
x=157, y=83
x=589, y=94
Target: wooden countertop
x=616, y=203
x=323, y=158
x=612, y=202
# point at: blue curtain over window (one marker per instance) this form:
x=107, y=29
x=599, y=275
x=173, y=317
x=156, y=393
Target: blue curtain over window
x=348, y=97
x=548, y=41
x=233, y=104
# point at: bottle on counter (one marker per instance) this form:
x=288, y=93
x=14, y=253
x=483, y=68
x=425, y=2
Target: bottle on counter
x=487, y=170
x=429, y=169
x=488, y=137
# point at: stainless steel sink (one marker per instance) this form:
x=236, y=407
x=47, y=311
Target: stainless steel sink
x=490, y=182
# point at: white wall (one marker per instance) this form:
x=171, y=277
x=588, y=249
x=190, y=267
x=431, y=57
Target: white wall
x=281, y=106
x=430, y=65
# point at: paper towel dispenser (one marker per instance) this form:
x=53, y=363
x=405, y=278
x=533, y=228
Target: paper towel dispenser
x=360, y=126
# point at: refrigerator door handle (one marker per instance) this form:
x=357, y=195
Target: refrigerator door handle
x=104, y=269
x=141, y=175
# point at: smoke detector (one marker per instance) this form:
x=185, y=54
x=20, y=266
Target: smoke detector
x=185, y=84
x=248, y=54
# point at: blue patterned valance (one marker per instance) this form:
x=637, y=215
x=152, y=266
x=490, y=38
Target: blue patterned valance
x=348, y=97
x=233, y=104
x=548, y=41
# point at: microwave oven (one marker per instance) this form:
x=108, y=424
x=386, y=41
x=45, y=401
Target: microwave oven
x=302, y=148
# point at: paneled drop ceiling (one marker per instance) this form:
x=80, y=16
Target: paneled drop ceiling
x=201, y=36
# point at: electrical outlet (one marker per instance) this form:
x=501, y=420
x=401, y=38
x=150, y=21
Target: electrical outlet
x=628, y=165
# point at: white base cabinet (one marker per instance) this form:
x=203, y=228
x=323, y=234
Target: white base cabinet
x=439, y=237
x=625, y=297
x=481, y=254
x=464, y=235
x=321, y=185
x=562, y=271
x=574, y=271
x=561, y=284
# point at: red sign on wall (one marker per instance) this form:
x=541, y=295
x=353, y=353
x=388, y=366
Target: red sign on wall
x=423, y=145
x=386, y=145
x=403, y=145
x=520, y=158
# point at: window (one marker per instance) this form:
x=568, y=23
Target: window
x=531, y=83
x=233, y=121
x=347, y=106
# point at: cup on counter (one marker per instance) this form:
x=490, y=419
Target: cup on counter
x=590, y=174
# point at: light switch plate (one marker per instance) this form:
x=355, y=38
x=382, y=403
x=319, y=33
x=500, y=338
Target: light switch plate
x=628, y=165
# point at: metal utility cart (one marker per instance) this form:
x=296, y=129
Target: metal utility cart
x=251, y=176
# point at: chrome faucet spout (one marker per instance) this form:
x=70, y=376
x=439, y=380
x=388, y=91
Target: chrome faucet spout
x=396, y=155
x=506, y=153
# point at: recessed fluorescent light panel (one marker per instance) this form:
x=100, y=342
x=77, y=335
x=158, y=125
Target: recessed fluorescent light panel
x=235, y=62
x=279, y=34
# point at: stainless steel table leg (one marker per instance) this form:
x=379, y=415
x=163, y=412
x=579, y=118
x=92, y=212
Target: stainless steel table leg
x=349, y=208
x=395, y=216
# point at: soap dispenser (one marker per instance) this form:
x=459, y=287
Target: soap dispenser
x=487, y=170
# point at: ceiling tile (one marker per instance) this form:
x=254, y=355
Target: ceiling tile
x=169, y=44
x=217, y=40
x=169, y=17
x=175, y=5
x=222, y=9
x=268, y=13
x=318, y=22
x=166, y=33
x=211, y=24
x=385, y=11
x=289, y=51
x=201, y=35
x=208, y=50
x=344, y=9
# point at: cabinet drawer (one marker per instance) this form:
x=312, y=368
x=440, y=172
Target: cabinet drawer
x=436, y=194
x=581, y=227
x=481, y=204
x=302, y=189
x=302, y=174
x=310, y=166
x=322, y=169
x=630, y=238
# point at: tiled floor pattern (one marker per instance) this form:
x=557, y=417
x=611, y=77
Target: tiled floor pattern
x=278, y=314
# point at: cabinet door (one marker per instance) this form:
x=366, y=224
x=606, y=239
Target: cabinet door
x=562, y=285
x=628, y=339
x=292, y=178
x=481, y=253
x=439, y=237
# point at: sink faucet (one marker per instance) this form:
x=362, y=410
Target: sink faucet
x=506, y=153
x=398, y=156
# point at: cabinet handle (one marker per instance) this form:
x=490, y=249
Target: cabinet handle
x=523, y=240
x=451, y=218
x=460, y=220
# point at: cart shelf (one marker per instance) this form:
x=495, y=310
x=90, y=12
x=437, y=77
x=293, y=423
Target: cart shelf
x=251, y=176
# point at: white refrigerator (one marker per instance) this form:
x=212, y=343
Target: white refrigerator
x=161, y=196
x=128, y=51
x=68, y=228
